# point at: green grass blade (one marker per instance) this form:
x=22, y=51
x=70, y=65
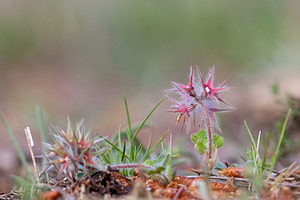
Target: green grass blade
x=129, y=131
x=166, y=160
x=253, y=142
x=106, y=159
x=282, y=132
x=149, y=144
x=136, y=151
x=267, y=165
x=110, y=157
x=140, y=153
x=159, y=158
x=124, y=151
x=265, y=152
x=159, y=141
x=17, y=146
x=142, y=124
x=254, y=160
x=250, y=134
x=119, y=137
x=134, y=154
x=123, y=134
x=114, y=146
x=275, y=156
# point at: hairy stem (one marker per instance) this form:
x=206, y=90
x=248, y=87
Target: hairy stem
x=208, y=130
x=133, y=165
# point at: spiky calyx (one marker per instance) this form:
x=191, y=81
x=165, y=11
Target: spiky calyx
x=72, y=150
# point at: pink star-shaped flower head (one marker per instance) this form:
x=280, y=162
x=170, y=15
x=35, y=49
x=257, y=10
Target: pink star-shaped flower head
x=182, y=109
x=189, y=89
x=209, y=89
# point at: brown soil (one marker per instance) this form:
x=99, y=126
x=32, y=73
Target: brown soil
x=230, y=184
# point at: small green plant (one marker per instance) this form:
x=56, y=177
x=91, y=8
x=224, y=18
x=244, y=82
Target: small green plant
x=200, y=141
x=126, y=152
x=199, y=101
x=257, y=166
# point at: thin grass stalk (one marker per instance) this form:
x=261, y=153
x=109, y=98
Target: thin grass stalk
x=124, y=151
x=275, y=156
x=250, y=134
x=252, y=139
x=137, y=150
x=149, y=144
x=134, y=153
x=30, y=146
x=159, y=156
x=258, y=141
x=132, y=165
x=142, y=124
x=254, y=160
x=155, y=146
x=106, y=159
x=114, y=146
x=129, y=131
x=140, y=153
x=265, y=152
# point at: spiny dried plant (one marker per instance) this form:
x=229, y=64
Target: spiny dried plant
x=73, y=150
x=199, y=100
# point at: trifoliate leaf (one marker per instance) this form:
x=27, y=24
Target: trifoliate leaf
x=201, y=147
x=217, y=141
x=201, y=135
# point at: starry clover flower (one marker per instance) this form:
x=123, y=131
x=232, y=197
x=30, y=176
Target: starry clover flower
x=199, y=99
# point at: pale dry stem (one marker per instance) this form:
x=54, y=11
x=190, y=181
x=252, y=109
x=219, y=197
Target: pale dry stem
x=31, y=145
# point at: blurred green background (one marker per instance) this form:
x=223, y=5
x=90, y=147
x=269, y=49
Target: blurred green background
x=79, y=58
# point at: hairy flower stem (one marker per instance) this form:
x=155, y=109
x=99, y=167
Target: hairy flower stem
x=208, y=129
x=122, y=166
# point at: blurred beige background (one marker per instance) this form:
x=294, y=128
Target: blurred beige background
x=79, y=58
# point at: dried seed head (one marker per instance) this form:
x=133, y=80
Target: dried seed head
x=72, y=149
